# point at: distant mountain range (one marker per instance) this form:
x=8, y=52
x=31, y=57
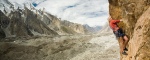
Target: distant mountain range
x=105, y=29
x=24, y=20
x=92, y=29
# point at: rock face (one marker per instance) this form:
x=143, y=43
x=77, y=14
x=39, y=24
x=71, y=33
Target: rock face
x=136, y=24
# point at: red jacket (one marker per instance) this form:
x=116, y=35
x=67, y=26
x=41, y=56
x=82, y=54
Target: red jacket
x=113, y=24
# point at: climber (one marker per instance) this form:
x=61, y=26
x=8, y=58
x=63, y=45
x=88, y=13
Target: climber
x=122, y=38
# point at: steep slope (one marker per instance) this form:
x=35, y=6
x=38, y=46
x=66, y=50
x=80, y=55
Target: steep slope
x=62, y=27
x=72, y=27
x=136, y=21
x=23, y=23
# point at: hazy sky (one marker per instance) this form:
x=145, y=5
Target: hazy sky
x=91, y=12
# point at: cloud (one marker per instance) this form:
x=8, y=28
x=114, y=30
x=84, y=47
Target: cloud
x=91, y=12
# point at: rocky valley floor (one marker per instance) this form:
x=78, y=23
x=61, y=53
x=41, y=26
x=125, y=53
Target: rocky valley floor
x=67, y=47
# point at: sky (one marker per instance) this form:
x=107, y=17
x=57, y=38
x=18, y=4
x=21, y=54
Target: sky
x=91, y=12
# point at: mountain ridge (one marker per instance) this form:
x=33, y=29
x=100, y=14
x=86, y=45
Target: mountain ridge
x=28, y=21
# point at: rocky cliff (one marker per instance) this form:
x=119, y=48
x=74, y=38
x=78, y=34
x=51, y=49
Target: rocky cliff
x=136, y=24
x=21, y=22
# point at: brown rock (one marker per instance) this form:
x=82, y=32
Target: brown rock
x=136, y=24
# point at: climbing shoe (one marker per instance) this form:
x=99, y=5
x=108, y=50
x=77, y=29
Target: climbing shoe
x=125, y=49
x=124, y=53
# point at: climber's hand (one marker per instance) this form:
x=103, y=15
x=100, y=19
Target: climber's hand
x=121, y=20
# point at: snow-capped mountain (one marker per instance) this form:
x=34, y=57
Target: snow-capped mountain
x=9, y=5
x=21, y=18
